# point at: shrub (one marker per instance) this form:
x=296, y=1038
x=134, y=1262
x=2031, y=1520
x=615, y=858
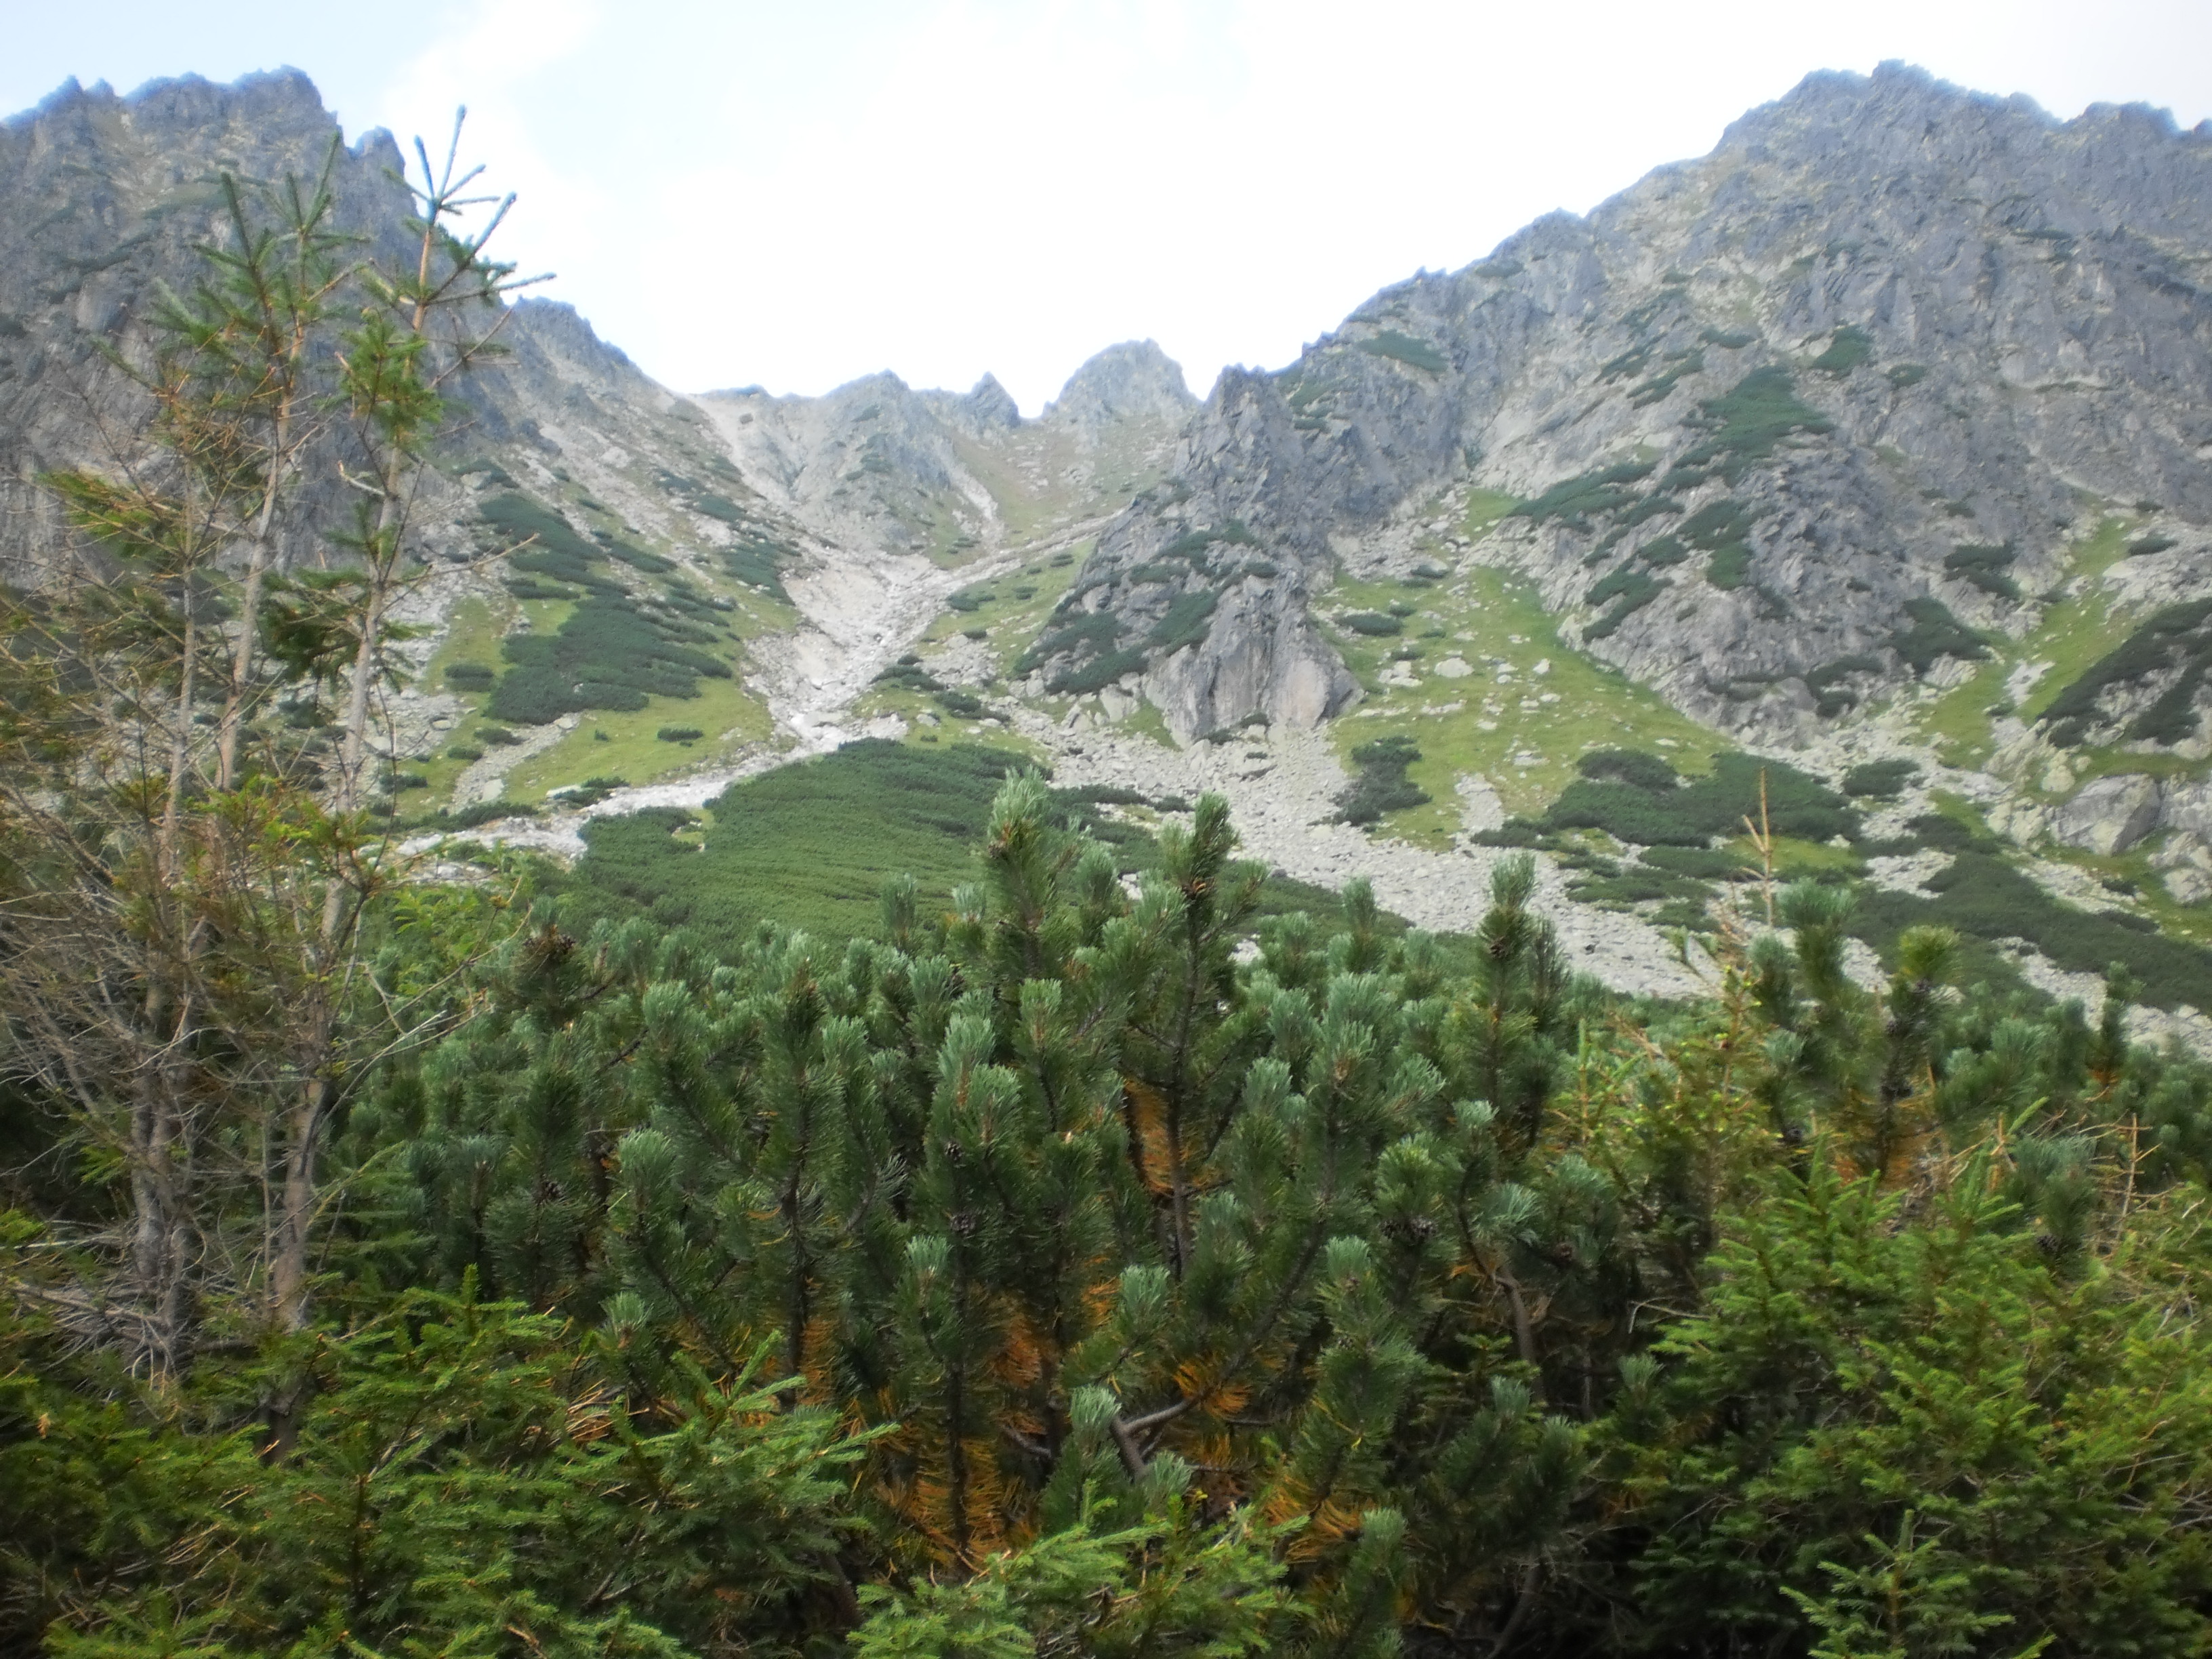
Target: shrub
x=1830, y=697
x=679, y=734
x=1749, y=422
x=975, y=632
x=498, y=736
x=1379, y=784
x=1693, y=812
x=1097, y=631
x=1632, y=590
x=609, y=653
x=464, y=752
x=1097, y=674
x=635, y=557
x=1629, y=766
x=1699, y=863
x=970, y=600
x=1373, y=624
x=757, y=563
x=1934, y=632
x=1730, y=568
x=965, y=705
x=1984, y=564
x=469, y=677
x=2143, y=546
x=1185, y=623
x=1850, y=347
x=1882, y=779
x=1905, y=374
x=1662, y=551
x=2179, y=636
x=1573, y=501
x=1404, y=349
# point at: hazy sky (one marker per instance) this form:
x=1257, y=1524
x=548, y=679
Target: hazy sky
x=794, y=194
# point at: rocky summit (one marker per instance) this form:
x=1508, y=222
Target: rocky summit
x=1778, y=431
x=1875, y=446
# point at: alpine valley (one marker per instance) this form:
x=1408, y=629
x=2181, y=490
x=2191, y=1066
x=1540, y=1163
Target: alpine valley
x=1837, y=505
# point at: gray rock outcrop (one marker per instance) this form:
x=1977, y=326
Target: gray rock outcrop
x=2110, y=814
x=1788, y=423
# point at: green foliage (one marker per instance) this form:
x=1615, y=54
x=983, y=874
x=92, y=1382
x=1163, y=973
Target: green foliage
x=1032, y=1274
x=1630, y=590
x=1731, y=566
x=1576, y=501
x=469, y=677
x=1985, y=565
x=1637, y=799
x=608, y=653
x=1629, y=766
x=1373, y=624
x=1185, y=623
x=2176, y=640
x=1850, y=346
x=1097, y=674
x=810, y=845
x=1404, y=349
x=472, y=1469
x=679, y=734
x=1906, y=374
x=757, y=561
x=2144, y=546
x=1092, y=634
x=1983, y=896
x=1830, y=696
x=1167, y=1587
x=1750, y=421
x=1381, y=786
x=1935, y=1463
x=1932, y=631
x=1882, y=779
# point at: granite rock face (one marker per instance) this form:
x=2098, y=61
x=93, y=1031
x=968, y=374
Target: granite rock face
x=1135, y=380
x=878, y=463
x=1820, y=405
x=102, y=199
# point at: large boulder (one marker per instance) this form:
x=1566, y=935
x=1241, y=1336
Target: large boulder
x=2109, y=815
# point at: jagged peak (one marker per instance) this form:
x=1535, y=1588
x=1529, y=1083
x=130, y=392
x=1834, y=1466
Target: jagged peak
x=559, y=323
x=989, y=404
x=1133, y=378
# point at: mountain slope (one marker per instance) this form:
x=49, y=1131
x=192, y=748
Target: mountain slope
x=1851, y=387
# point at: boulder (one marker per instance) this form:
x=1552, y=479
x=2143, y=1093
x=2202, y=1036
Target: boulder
x=2109, y=815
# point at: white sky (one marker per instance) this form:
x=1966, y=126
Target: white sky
x=798, y=193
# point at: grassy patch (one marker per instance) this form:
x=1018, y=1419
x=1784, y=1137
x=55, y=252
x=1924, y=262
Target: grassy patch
x=2070, y=635
x=624, y=741
x=1495, y=721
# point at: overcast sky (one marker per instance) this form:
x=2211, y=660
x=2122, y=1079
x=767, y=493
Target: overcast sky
x=795, y=194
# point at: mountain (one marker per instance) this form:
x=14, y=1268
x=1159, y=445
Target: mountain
x=811, y=537
x=1864, y=457
x=1779, y=429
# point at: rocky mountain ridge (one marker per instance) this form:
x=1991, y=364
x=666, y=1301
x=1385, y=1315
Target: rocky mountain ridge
x=1850, y=386
x=1876, y=438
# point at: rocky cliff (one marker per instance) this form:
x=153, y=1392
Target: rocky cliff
x=1780, y=429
